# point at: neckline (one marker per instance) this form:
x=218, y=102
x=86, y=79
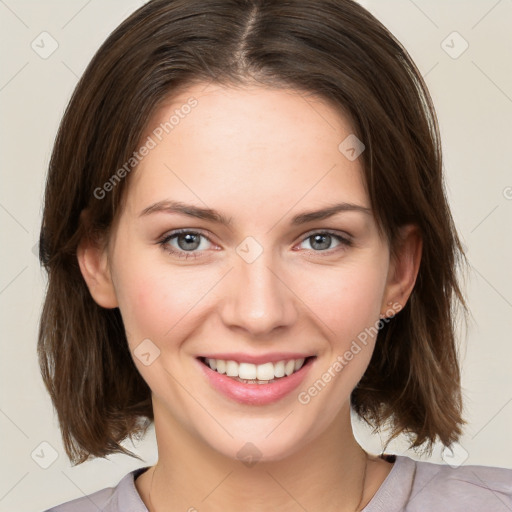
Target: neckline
x=396, y=460
x=392, y=494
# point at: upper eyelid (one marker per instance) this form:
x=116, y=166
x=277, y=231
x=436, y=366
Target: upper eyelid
x=336, y=232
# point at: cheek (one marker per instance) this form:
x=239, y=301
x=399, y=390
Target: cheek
x=349, y=302
x=161, y=302
x=152, y=296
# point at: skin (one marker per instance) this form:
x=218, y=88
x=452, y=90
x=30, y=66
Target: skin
x=259, y=156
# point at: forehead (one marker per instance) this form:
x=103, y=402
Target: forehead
x=247, y=146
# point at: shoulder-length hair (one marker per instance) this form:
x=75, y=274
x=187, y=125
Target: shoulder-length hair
x=333, y=49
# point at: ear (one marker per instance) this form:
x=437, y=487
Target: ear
x=403, y=268
x=93, y=262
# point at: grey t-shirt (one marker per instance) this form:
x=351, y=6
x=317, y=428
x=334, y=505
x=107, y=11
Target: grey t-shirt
x=410, y=486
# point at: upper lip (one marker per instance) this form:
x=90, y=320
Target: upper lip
x=273, y=357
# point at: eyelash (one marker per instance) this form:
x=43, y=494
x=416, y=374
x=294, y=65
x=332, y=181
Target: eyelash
x=163, y=242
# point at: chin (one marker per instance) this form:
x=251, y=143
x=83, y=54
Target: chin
x=252, y=451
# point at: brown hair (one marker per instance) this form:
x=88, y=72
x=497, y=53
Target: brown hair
x=333, y=49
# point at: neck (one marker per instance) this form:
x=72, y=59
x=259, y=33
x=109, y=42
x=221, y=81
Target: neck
x=327, y=474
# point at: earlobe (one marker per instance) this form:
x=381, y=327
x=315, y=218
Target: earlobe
x=404, y=267
x=93, y=262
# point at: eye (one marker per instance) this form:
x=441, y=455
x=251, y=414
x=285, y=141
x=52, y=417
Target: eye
x=186, y=243
x=321, y=240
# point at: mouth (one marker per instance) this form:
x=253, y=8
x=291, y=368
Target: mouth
x=259, y=374
x=255, y=380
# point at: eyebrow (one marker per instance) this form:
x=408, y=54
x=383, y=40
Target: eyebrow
x=217, y=217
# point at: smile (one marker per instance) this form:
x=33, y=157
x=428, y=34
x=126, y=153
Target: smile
x=250, y=373
x=259, y=382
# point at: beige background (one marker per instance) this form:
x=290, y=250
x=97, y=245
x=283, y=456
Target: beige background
x=473, y=96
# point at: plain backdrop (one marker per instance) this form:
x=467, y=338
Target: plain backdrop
x=463, y=50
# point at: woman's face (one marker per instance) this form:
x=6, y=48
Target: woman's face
x=262, y=280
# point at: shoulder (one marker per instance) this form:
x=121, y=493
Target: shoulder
x=467, y=487
x=417, y=486
x=122, y=497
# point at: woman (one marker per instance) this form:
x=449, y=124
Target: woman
x=247, y=236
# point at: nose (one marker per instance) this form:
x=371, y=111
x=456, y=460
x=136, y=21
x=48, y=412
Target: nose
x=257, y=299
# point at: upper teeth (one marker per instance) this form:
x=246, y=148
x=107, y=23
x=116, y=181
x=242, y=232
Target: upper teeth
x=249, y=371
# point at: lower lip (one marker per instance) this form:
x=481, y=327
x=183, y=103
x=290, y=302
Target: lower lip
x=256, y=394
